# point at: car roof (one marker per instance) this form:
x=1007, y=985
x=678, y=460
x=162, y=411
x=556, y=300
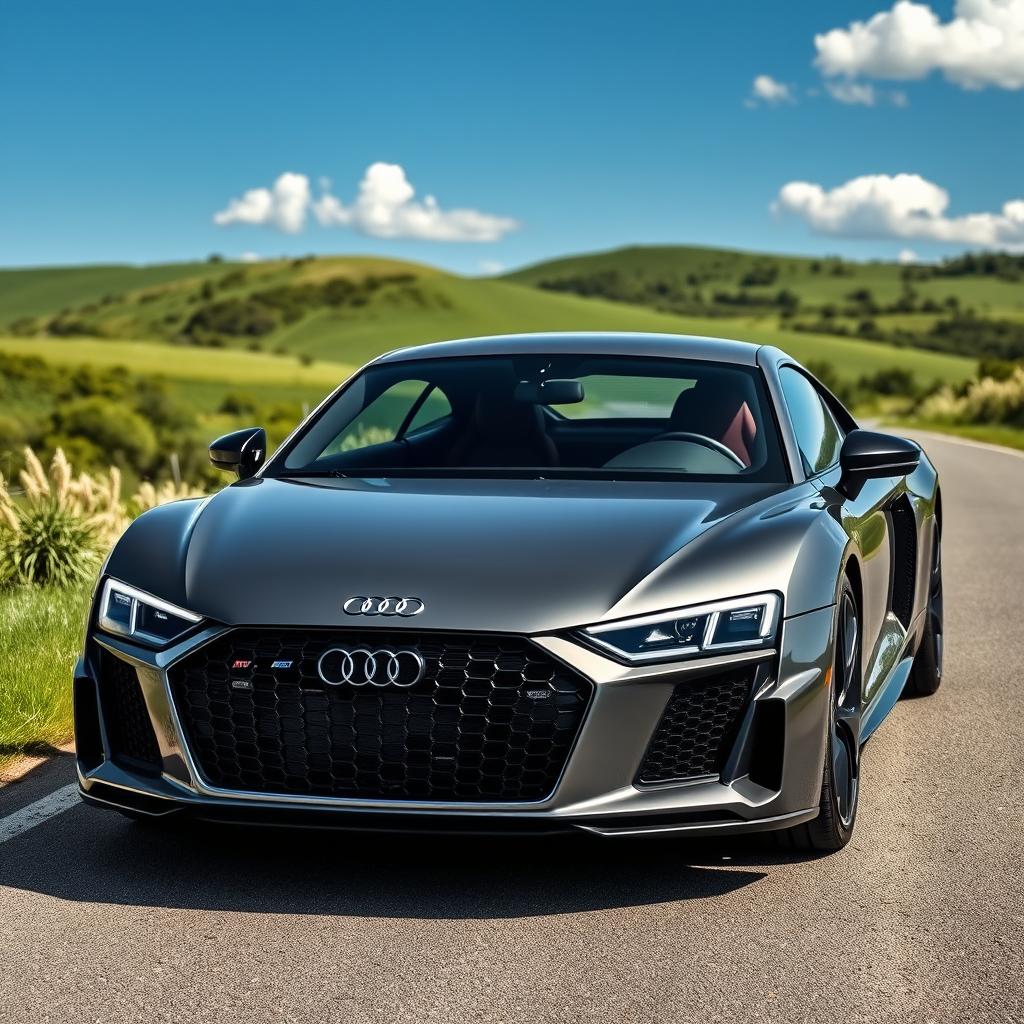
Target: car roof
x=677, y=346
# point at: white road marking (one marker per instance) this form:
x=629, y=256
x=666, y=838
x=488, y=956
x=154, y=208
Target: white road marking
x=57, y=802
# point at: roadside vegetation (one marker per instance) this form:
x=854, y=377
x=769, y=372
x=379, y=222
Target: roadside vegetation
x=55, y=528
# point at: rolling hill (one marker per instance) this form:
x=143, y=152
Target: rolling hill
x=345, y=310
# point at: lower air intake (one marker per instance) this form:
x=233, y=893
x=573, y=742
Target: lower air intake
x=697, y=729
x=488, y=719
x=129, y=730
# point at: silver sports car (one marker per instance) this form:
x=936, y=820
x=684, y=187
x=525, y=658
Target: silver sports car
x=624, y=584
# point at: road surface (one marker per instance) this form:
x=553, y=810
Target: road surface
x=920, y=919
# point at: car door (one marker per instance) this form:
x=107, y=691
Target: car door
x=865, y=518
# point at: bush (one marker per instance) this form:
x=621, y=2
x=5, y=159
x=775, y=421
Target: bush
x=985, y=401
x=47, y=545
x=123, y=436
x=238, y=403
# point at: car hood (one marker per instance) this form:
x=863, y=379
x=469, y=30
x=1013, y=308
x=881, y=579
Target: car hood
x=521, y=556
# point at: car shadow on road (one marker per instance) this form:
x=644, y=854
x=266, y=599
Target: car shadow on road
x=97, y=858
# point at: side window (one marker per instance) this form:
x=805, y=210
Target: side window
x=381, y=420
x=435, y=407
x=817, y=434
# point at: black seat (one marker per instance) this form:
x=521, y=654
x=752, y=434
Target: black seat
x=504, y=432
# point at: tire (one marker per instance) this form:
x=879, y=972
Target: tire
x=833, y=828
x=926, y=674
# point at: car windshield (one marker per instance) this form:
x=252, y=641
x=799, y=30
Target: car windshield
x=566, y=415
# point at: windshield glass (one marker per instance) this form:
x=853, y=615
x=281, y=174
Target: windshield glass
x=572, y=415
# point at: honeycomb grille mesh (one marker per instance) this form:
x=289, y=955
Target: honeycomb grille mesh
x=129, y=729
x=492, y=719
x=697, y=729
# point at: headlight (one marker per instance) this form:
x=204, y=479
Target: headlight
x=721, y=626
x=141, y=616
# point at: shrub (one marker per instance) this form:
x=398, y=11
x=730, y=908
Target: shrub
x=56, y=531
x=122, y=435
x=49, y=545
x=985, y=401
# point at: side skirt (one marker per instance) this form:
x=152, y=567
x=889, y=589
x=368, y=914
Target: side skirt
x=885, y=698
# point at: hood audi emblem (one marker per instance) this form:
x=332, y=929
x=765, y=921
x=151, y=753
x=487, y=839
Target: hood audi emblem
x=405, y=606
x=376, y=668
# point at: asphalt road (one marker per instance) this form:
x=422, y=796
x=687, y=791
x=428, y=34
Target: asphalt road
x=920, y=919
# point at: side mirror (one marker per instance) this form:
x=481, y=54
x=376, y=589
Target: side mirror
x=241, y=452
x=867, y=455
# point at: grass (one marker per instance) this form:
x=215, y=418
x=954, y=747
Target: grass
x=35, y=291
x=175, y=362
x=1007, y=437
x=40, y=636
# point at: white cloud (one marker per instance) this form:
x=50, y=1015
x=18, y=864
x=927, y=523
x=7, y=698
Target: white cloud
x=766, y=89
x=899, y=206
x=491, y=267
x=863, y=94
x=907, y=256
x=385, y=207
x=249, y=257
x=283, y=206
x=855, y=93
x=982, y=45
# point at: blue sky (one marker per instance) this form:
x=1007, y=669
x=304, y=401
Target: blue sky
x=126, y=127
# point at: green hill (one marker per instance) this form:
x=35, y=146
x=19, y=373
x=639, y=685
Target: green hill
x=349, y=309
x=665, y=270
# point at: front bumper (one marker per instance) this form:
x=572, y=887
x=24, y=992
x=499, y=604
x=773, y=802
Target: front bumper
x=770, y=779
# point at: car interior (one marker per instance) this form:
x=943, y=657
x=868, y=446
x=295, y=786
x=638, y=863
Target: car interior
x=614, y=414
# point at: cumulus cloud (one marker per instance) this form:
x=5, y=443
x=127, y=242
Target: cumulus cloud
x=981, y=45
x=284, y=205
x=863, y=94
x=491, y=267
x=899, y=206
x=766, y=89
x=907, y=256
x=384, y=207
x=855, y=93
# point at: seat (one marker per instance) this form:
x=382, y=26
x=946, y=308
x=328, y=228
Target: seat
x=719, y=408
x=504, y=432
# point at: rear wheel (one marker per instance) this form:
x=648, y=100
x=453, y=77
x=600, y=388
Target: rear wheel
x=832, y=829
x=926, y=675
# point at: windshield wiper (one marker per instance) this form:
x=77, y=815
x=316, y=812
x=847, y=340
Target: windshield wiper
x=288, y=474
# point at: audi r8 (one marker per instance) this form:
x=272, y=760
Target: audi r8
x=624, y=584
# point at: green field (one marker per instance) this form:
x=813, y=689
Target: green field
x=40, y=634
x=223, y=367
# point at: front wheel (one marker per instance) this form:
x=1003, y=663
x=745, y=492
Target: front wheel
x=832, y=829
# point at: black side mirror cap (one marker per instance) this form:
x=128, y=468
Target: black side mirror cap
x=867, y=455
x=241, y=452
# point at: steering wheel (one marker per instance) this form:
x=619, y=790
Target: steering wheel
x=707, y=442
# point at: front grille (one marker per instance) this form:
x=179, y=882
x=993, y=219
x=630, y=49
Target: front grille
x=697, y=728
x=491, y=719
x=129, y=730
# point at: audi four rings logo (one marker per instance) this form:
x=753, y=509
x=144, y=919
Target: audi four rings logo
x=363, y=667
x=405, y=606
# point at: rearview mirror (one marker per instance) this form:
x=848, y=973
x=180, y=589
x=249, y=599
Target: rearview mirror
x=867, y=455
x=241, y=452
x=549, y=392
